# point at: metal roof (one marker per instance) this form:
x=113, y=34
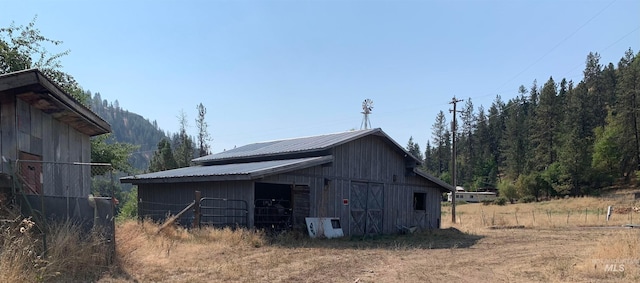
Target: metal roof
x=285, y=147
x=236, y=171
x=38, y=90
x=443, y=184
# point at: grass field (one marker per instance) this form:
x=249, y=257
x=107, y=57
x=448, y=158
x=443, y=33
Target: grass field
x=557, y=243
x=566, y=240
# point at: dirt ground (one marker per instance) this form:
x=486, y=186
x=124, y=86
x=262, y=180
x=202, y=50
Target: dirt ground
x=489, y=255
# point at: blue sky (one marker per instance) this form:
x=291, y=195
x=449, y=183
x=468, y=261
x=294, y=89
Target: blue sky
x=269, y=70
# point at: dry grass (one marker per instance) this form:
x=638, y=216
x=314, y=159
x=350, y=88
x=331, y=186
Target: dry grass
x=614, y=258
x=590, y=257
x=556, y=244
x=240, y=255
x=70, y=256
x=562, y=213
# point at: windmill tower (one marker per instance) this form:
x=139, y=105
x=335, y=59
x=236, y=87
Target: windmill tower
x=367, y=106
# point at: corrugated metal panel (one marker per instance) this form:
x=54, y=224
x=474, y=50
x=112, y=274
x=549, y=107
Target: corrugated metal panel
x=294, y=145
x=245, y=171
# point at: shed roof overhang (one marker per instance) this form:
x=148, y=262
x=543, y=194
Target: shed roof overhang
x=444, y=187
x=39, y=91
x=227, y=172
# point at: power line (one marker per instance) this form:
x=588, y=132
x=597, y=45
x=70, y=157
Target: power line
x=553, y=48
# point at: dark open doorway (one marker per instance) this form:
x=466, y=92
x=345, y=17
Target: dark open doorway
x=273, y=206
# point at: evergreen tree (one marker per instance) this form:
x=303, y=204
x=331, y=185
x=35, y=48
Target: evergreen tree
x=485, y=168
x=414, y=148
x=203, y=133
x=627, y=108
x=440, y=137
x=576, y=140
x=466, y=144
x=183, y=143
x=544, y=134
x=163, y=158
x=514, y=140
x=496, y=130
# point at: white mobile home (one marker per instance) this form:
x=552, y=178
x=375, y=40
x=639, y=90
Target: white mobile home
x=473, y=196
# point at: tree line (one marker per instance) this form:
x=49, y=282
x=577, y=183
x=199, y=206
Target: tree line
x=178, y=151
x=561, y=138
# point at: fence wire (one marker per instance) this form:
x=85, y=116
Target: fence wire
x=58, y=192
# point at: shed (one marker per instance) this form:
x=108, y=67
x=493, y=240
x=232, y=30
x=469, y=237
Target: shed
x=363, y=179
x=43, y=125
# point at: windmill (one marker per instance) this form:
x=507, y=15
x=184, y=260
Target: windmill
x=367, y=106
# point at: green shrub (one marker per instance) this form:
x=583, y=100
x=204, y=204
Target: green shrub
x=501, y=201
x=487, y=201
x=129, y=209
x=527, y=199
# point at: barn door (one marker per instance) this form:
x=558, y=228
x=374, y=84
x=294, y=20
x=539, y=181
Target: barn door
x=375, y=199
x=301, y=205
x=31, y=173
x=367, y=203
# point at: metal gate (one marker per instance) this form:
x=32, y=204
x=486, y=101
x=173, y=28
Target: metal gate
x=272, y=214
x=367, y=207
x=221, y=212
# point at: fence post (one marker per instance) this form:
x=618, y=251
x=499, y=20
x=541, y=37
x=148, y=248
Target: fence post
x=196, y=210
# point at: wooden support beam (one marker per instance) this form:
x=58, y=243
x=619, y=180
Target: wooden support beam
x=175, y=217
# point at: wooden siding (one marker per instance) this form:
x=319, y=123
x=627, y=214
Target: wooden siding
x=368, y=160
x=156, y=201
x=27, y=129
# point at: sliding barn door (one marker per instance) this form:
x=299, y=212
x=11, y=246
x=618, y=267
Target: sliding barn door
x=367, y=208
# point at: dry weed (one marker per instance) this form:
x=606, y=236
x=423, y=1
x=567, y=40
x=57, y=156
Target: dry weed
x=614, y=258
x=70, y=255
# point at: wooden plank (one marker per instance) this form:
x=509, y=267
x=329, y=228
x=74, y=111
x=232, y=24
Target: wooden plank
x=8, y=126
x=24, y=141
x=86, y=170
x=173, y=219
x=36, y=122
x=62, y=155
x=75, y=171
x=23, y=116
x=301, y=204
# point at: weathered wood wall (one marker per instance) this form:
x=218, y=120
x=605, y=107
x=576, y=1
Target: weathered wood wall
x=367, y=160
x=156, y=201
x=25, y=128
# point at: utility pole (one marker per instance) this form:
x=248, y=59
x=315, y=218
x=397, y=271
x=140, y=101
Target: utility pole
x=454, y=101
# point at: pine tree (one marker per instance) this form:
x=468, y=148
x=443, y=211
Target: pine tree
x=545, y=126
x=576, y=139
x=466, y=143
x=440, y=138
x=203, y=133
x=414, y=149
x=514, y=139
x=627, y=108
x=163, y=158
x=183, y=143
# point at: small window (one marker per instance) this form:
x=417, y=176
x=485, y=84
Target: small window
x=419, y=201
x=471, y=196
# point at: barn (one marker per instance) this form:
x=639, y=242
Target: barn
x=364, y=180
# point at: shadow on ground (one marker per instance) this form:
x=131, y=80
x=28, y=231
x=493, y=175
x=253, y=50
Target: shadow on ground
x=449, y=238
